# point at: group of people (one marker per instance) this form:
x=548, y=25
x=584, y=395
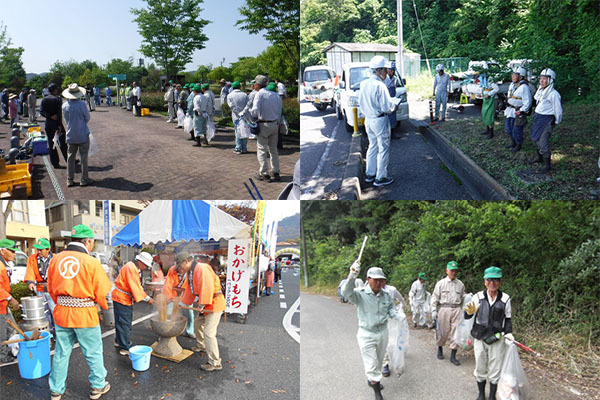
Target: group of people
x=519, y=103
x=376, y=303
x=75, y=288
x=128, y=97
x=24, y=105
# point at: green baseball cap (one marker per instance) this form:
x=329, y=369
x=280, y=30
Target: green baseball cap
x=452, y=265
x=42, y=244
x=196, y=88
x=82, y=232
x=422, y=276
x=8, y=244
x=186, y=85
x=236, y=85
x=492, y=273
x=271, y=86
x=205, y=86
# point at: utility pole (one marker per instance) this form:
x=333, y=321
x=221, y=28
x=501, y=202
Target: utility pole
x=400, y=38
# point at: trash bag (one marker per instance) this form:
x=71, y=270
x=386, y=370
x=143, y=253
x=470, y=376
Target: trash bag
x=513, y=383
x=93, y=150
x=462, y=334
x=180, y=117
x=426, y=318
x=188, y=124
x=283, y=126
x=398, y=342
x=243, y=129
x=210, y=129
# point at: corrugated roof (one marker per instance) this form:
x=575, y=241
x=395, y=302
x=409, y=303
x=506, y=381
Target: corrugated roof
x=366, y=47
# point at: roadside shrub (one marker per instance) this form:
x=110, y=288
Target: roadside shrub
x=154, y=101
x=17, y=291
x=291, y=111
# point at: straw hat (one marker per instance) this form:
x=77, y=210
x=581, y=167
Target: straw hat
x=73, y=91
x=12, y=96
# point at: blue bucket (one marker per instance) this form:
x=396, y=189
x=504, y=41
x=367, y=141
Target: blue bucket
x=140, y=357
x=34, y=356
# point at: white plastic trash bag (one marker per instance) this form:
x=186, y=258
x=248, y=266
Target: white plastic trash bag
x=513, y=383
x=243, y=130
x=188, y=124
x=426, y=318
x=398, y=342
x=210, y=130
x=180, y=117
x=462, y=334
x=93, y=150
x=283, y=126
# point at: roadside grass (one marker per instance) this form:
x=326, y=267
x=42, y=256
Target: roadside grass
x=422, y=86
x=575, y=150
x=327, y=290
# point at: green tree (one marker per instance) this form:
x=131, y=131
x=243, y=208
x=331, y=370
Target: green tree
x=38, y=82
x=245, y=69
x=280, y=20
x=220, y=73
x=152, y=80
x=86, y=78
x=12, y=72
x=172, y=31
x=273, y=62
x=201, y=73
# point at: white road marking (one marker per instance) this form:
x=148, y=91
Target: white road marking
x=292, y=330
x=282, y=304
x=282, y=296
x=309, y=186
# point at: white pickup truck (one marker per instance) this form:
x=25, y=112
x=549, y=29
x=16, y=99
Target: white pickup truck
x=318, y=86
x=346, y=96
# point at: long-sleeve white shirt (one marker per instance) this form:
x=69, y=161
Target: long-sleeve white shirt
x=374, y=98
x=169, y=96
x=136, y=91
x=418, y=293
x=267, y=106
x=200, y=104
x=549, y=104
x=441, y=83
x=237, y=101
x=519, y=97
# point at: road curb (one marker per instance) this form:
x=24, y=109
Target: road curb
x=350, y=189
x=479, y=184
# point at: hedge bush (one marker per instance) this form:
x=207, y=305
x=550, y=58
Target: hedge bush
x=154, y=101
x=17, y=291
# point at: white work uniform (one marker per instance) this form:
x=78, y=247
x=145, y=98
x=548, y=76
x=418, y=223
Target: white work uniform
x=281, y=90
x=170, y=98
x=417, y=297
x=396, y=295
x=200, y=120
x=373, y=311
x=267, y=109
x=375, y=103
x=548, y=103
x=449, y=295
x=237, y=101
x=441, y=88
x=519, y=98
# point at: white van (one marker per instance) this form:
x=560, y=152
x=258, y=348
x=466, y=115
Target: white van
x=318, y=85
x=347, y=94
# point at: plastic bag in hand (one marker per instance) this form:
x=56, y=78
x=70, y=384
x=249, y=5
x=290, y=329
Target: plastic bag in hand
x=180, y=117
x=188, y=124
x=397, y=342
x=513, y=383
x=210, y=130
x=462, y=334
x=93, y=150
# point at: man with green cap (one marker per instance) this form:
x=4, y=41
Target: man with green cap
x=418, y=298
x=36, y=276
x=200, y=115
x=78, y=284
x=491, y=328
x=448, y=294
x=7, y=254
x=183, y=95
x=237, y=101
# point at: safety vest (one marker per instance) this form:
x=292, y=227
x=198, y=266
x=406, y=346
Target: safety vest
x=174, y=281
x=77, y=282
x=205, y=284
x=37, y=270
x=128, y=285
x=4, y=287
x=490, y=320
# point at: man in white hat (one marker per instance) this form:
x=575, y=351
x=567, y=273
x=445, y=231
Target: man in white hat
x=76, y=116
x=441, y=88
x=32, y=104
x=128, y=288
x=517, y=107
x=376, y=103
x=374, y=306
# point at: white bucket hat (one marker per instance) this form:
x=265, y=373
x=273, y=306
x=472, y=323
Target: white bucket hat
x=144, y=257
x=375, y=273
x=73, y=91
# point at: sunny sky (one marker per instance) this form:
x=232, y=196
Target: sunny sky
x=103, y=30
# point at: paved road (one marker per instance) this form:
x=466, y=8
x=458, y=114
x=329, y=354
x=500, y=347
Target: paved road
x=260, y=359
x=147, y=158
x=418, y=171
x=331, y=366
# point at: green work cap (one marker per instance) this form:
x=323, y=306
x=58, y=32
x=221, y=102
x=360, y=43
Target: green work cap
x=236, y=85
x=205, y=86
x=82, y=232
x=171, y=81
x=422, y=276
x=492, y=273
x=452, y=265
x=8, y=244
x=42, y=244
x=196, y=88
x=272, y=87
x=252, y=82
x=186, y=86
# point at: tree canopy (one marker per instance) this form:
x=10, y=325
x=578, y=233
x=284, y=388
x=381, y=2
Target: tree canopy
x=12, y=73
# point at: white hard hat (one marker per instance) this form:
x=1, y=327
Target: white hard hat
x=521, y=71
x=375, y=273
x=548, y=72
x=144, y=257
x=439, y=67
x=378, y=62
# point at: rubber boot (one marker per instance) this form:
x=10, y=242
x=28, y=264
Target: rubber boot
x=511, y=145
x=440, y=355
x=547, y=165
x=192, y=136
x=377, y=389
x=453, y=359
x=198, y=142
x=487, y=131
x=491, y=135
x=538, y=159
x=493, y=388
x=481, y=387
x=516, y=148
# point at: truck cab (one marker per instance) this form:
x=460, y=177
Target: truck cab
x=346, y=96
x=318, y=85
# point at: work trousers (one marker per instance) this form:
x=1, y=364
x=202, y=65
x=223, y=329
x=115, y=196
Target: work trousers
x=418, y=311
x=189, y=314
x=372, y=348
x=109, y=101
x=123, y=316
x=488, y=360
x=241, y=144
x=441, y=99
x=514, y=131
x=266, y=147
x=378, y=154
x=129, y=104
x=205, y=328
x=137, y=111
x=97, y=100
x=6, y=331
x=32, y=115
x=90, y=340
x=172, y=115
x=448, y=320
x=83, y=149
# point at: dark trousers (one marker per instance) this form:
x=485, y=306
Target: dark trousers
x=123, y=317
x=51, y=129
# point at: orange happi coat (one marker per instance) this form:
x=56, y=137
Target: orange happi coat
x=207, y=287
x=171, y=283
x=129, y=281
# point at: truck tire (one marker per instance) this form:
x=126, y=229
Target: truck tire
x=349, y=127
x=320, y=106
x=338, y=112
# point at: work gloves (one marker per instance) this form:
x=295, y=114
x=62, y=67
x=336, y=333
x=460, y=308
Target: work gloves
x=509, y=337
x=434, y=315
x=471, y=308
